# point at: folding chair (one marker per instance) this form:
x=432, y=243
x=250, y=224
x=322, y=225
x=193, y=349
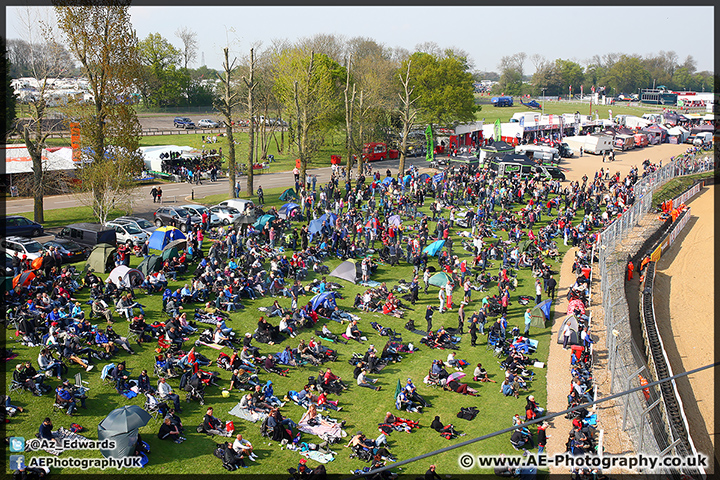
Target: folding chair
x=106, y=374
x=80, y=383
x=152, y=406
x=16, y=387
x=133, y=335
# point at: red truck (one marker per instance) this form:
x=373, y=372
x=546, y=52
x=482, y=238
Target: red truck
x=378, y=151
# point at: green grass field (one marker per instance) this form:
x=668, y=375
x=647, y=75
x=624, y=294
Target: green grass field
x=362, y=409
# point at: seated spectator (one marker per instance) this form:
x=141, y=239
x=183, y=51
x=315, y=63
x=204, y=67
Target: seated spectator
x=481, y=375
x=243, y=447
x=168, y=431
x=364, y=381
x=213, y=425
x=46, y=432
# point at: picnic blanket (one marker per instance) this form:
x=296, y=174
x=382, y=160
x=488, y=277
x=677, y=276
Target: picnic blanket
x=318, y=456
x=63, y=433
x=370, y=283
x=246, y=414
x=329, y=433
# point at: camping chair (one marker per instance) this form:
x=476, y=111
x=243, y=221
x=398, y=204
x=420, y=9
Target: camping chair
x=59, y=405
x=492, y=341
x=79, y=383
x=106, y=374
x=16, y=387
x=152, y=406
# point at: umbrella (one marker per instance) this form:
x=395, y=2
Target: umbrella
x=177, y=244
x=248, y=219
x=575, y=304
x=23, y=279
x=125, y=419
x=321, y=298
x=394, y=220
x=455, y=376
x=439, y=279
x=434, y=247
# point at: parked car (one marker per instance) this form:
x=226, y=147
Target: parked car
x=244, y=206
x=199, y=210
x=21, y=226
x=23, y=246
x=227, y=214
x=71, y=251
x=9, y=271
x=139, y=222
x=207, y=123
x=128, y=233
x=88, y=234
x=174, y=216
x=183, y=122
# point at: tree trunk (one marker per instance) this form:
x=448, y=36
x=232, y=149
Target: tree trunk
x=251, y=133
x=34, y=148
x=349, y=110
x=360, y=132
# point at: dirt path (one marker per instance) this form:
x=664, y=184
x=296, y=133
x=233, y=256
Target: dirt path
x=684, y=294
x=588, y=164
x=558, y=372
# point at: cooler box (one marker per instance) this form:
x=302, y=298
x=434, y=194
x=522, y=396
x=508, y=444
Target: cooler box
x=586, y=272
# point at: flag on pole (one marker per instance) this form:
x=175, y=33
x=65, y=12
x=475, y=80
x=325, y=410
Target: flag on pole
x=430, y=153
x=498, y=131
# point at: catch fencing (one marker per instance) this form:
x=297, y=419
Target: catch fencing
x=643, y=413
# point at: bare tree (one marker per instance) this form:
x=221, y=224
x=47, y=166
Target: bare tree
x=250, y=83
x=190, y=45
x=225, y=105
x=349, y=111
x=43, y=65
x=407, y=114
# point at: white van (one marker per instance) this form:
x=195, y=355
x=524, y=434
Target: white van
x=539, y=153
x=244, y=206
x=703, y=139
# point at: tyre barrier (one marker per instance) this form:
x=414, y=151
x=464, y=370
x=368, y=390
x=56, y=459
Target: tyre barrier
x=679, y=438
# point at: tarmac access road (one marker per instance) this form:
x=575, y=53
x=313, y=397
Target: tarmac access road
x=180, y=193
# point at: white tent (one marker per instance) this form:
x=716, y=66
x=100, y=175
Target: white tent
x=679, y=133
x=151, y=155
x=17, y=159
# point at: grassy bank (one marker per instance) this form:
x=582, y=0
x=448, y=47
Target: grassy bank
x=363, y=409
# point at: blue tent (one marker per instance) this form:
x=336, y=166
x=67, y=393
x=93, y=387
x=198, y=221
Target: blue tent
x=164, y=235
x=262, y=221
x=434, y=247
x=423, y=177
x=438, y=177
x=387, y=180
x=314, y=227
x=326, y=299
x=330, y=218
x=287, y=208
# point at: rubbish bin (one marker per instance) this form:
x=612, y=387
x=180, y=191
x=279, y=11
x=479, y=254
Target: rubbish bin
x=586, y=272
x=577, y=350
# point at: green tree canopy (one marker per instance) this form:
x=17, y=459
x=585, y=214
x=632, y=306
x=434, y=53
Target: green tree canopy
x=444, y=86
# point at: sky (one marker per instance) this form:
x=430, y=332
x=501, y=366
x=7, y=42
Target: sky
x=485, y=33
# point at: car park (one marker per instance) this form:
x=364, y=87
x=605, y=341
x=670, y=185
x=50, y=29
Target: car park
x=199, y=210
x=174, y=216
x=139, y=222
x=183, y=122
x=71, y=251
x=128, y=233
x=32, y=249
x=88, y=234
x=21, y=226
x=227, y=214
x=207, y=123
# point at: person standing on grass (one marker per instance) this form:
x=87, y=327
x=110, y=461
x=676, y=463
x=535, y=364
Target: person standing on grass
x=428, y=317
x=551, y=284
x=538, y=291
x=461, y=318
x=528, y=319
